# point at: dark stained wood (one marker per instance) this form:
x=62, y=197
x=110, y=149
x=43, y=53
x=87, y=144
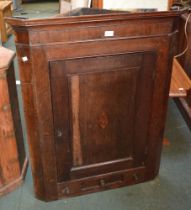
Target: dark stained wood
x=13, y=162
x=95, y=105
x=103, y=80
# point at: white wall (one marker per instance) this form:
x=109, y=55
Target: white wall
x=132, y=4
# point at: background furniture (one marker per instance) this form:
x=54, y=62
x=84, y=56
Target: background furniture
x=13, y=162
x=180, y=82
x=97, y=4
x=5, y=11
x=184, y=104
x=96, y=121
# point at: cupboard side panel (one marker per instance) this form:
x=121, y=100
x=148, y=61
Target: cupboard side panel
x=30, y=113
x=41, y=85
x=159, y=105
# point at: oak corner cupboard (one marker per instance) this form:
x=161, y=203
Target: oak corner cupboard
x=95, y=90
x=13, y=161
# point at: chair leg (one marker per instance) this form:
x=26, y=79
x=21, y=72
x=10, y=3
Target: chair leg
x=3, y=29
x=3, y=33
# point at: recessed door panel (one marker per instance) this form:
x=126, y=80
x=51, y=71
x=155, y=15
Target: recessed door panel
x=95, y=102
x=102, y=115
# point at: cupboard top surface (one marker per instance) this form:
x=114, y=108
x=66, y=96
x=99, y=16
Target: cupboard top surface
x=89, y=18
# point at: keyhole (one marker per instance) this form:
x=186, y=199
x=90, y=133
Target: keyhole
x=59, y=133
x=136, y=177
x=66, y=190
x=102, y=183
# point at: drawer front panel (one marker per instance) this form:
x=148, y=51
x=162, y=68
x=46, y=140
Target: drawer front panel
x=102, y=182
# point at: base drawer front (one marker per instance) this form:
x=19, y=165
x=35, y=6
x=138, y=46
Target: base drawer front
x=102, y=182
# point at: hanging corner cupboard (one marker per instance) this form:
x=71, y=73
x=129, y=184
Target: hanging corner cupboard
x=95, y=91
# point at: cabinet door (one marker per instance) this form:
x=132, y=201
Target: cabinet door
x=101, y=109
